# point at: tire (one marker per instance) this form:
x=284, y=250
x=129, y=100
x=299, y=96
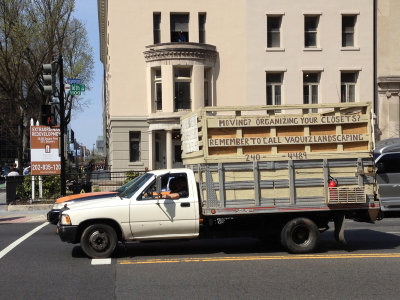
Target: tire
x=300, y=235
x=99, y=240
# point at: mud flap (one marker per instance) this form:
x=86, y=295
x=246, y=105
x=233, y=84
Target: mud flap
x=338, y=219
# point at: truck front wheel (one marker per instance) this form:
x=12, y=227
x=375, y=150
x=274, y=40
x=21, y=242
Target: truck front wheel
x=99, y=240
x=300, y=235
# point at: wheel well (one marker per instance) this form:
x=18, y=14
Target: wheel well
x=109, y=222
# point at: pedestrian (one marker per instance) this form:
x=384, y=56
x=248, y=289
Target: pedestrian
x=181, y=37
x=13, y=172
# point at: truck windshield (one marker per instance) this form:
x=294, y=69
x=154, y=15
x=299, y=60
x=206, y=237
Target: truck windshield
x=126, y=185
x=135, y=184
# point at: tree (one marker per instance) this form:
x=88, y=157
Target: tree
x=34, y=32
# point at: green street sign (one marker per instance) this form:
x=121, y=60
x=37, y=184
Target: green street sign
x=76, y=88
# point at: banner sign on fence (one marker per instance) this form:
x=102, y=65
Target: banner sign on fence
x=45, y=158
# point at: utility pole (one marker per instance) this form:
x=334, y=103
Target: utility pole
x=62, y=124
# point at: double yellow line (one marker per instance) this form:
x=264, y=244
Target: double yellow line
x=257, y=258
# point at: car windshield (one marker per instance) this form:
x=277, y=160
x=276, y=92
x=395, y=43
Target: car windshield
x=135, y=184
x=125, y=186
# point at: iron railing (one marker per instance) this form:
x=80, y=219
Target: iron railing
x=84, y=182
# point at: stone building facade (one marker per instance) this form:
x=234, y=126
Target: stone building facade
x=164, y=58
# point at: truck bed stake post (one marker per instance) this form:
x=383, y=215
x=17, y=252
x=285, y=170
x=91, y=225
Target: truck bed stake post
x=338, y=219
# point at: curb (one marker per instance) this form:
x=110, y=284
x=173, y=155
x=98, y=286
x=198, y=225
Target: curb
x=32, y=207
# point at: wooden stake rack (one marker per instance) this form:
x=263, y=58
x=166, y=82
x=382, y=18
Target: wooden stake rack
x=272, y=133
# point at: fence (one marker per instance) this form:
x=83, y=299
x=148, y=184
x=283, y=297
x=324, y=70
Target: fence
x=96, y=181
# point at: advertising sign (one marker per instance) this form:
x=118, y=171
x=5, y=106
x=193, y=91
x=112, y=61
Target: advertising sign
x=45, y=158
x=190, y=135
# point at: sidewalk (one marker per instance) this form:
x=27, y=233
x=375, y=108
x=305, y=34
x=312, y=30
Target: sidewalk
x=22, y=213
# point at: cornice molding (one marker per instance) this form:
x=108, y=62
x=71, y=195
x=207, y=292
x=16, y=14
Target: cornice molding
x=187, y=51
x=102, y=18
x=388, y=79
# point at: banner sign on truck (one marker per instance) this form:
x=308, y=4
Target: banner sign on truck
x=45, y=158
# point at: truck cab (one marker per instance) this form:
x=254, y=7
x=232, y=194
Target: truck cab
x=142, y=212
x=154, y=216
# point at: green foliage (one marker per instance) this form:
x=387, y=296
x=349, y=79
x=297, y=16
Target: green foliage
x=33, y=33
x=131, y=175
x=50, y=187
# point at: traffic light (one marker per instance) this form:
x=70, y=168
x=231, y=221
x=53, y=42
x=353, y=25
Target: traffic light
x=49, y=78
x=48, y=117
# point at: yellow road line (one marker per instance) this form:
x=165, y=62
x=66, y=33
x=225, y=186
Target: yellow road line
x=256, y=258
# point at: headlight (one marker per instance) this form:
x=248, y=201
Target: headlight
x=65, y=220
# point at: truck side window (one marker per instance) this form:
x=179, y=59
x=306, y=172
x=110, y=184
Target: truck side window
x=179, y=187
x=389, y=163
x=149, y=193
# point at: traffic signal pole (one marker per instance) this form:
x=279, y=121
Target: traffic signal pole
x=62, y=124
x=49, y=88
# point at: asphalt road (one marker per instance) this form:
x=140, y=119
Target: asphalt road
x=42, y=267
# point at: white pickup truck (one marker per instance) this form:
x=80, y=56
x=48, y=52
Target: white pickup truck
x=264, y=174
x=142, y=213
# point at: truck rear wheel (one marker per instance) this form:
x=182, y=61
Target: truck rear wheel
x=99, y=240
x=300, y=235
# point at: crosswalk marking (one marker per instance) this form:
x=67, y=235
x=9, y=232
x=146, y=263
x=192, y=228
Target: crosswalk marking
x=101, y=261
x=20, y=240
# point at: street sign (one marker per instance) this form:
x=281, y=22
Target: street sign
x=76, y=88
x=45, y=159
x=74, y=81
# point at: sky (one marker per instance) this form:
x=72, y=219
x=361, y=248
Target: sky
x=87, y=124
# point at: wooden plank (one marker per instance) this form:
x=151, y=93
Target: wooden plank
x=282, y=120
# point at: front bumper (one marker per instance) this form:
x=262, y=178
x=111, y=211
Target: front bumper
x=68, y=234
x=53, y=215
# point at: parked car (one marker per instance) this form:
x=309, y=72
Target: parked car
x=387, y=160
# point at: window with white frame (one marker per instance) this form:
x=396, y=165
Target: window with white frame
x=157, y=90
x=179, y=27
x=156, y=27
x=134, y=146
x=348, y=81
x=182, y=83
x=202, y=28
x=310, y=88
x=274, y=31
x=274, y=88
x=348, y=30
x=311, y=31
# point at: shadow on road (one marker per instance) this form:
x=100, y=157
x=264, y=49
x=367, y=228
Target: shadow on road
x=357, y=240
x=7, y=220
x=360, y=239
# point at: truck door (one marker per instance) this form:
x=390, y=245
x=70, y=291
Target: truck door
x=388, y=178
x=152, y=218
